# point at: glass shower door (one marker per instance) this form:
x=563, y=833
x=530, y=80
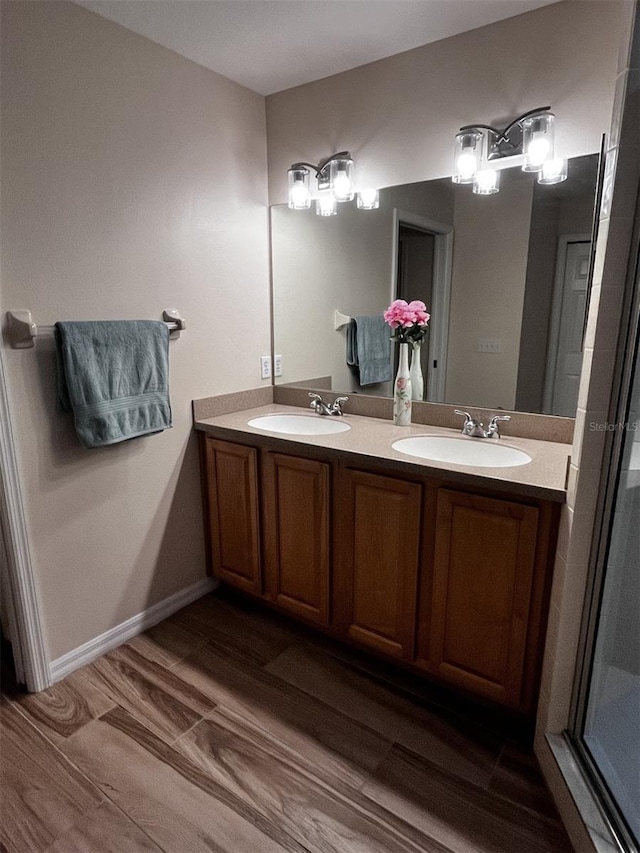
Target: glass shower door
x=611, y=711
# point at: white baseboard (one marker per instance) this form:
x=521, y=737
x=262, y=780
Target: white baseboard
x=84, y=654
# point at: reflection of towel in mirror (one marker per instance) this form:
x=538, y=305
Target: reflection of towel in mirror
x=114, y=377
x=369, y=349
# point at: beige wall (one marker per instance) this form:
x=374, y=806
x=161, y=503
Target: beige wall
x=398, y=116
x=133, y=180
x=491, y=239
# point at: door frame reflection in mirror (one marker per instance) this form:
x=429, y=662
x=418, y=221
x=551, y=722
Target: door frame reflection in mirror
x=557, y=314
x=438, y=334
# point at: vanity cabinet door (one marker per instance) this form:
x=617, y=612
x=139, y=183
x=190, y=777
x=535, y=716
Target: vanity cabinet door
x=377, y=557
x=485, y=554
x=296, y=535
x=232, y=485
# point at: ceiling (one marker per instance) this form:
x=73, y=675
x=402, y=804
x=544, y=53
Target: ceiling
x=271, y=45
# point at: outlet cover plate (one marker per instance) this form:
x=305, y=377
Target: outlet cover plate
x=489, y=345
x=265, y=367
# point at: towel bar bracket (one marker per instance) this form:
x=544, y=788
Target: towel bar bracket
x=22, y=331
x=340, y=320
x=173, y=318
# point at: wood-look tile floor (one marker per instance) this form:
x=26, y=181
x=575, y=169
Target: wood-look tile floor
x=227, y=729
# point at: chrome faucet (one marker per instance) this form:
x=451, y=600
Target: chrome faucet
x=318, y=405
x=493, y=430
x=475, y=428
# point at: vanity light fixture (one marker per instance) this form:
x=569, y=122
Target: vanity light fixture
x=341, y=171
x=334, y=182
x=334, y=175
x=479, y=147
x=299, y=188
x=467, y=155
x=537, y=140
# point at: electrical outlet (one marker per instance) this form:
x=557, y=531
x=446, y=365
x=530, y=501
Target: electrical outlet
x=489, y=345
x=277, y=365
x=265, y=367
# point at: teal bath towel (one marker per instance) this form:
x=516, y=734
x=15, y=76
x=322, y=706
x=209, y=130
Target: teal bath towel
x=369, y=349
x=114, y=377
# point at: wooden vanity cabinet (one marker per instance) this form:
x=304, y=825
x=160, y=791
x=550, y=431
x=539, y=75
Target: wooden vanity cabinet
x=483, y=571
x=453, y=582
x=296, y=514
x=269, y=525
x=377, y=560
x=234, y=525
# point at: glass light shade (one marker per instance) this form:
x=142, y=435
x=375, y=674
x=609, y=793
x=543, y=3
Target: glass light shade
x=537, y=141
x=487, y=182
x=341, y=177
x=466, y=156
x=299, y=189
x=326, y=204
x=553, y=172
x=368, y=199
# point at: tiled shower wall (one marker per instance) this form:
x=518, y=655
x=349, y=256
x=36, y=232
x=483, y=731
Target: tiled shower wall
x=616, y=252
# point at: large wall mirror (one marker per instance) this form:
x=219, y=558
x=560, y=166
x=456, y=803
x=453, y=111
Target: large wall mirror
x=504, y=276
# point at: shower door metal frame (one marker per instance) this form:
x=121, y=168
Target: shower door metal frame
x=627, y=359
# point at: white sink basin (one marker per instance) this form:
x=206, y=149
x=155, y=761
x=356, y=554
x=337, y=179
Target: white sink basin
x=300, y=424
x=478, y=452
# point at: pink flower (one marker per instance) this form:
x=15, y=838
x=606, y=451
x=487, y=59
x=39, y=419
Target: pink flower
x=410, y=319
x=396, y=313
x=419, y=313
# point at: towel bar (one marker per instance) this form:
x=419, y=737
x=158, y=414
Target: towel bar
x=22, y=331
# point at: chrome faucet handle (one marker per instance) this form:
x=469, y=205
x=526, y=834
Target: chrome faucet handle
x=316, y=401
x=493, y=430
x=318, y=404
x=471, y=425
x=336, y=406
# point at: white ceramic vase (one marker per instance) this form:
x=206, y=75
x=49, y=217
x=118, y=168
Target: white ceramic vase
x=417, y=379
x=402, y=389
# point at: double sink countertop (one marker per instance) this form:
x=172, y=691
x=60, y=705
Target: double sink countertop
x=371, y=440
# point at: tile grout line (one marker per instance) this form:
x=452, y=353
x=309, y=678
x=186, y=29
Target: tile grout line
x=220, y=785
x=290, y=759
x=65, y=758
x=497, y=762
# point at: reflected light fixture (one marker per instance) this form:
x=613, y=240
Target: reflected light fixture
x=487, y=182
x=331, y=182
x=553, y=172
x=368, y=199
x=479, y=147
x=326, y=204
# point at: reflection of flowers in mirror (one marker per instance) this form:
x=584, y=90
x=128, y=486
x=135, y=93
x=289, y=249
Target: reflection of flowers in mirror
x=409, y=320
